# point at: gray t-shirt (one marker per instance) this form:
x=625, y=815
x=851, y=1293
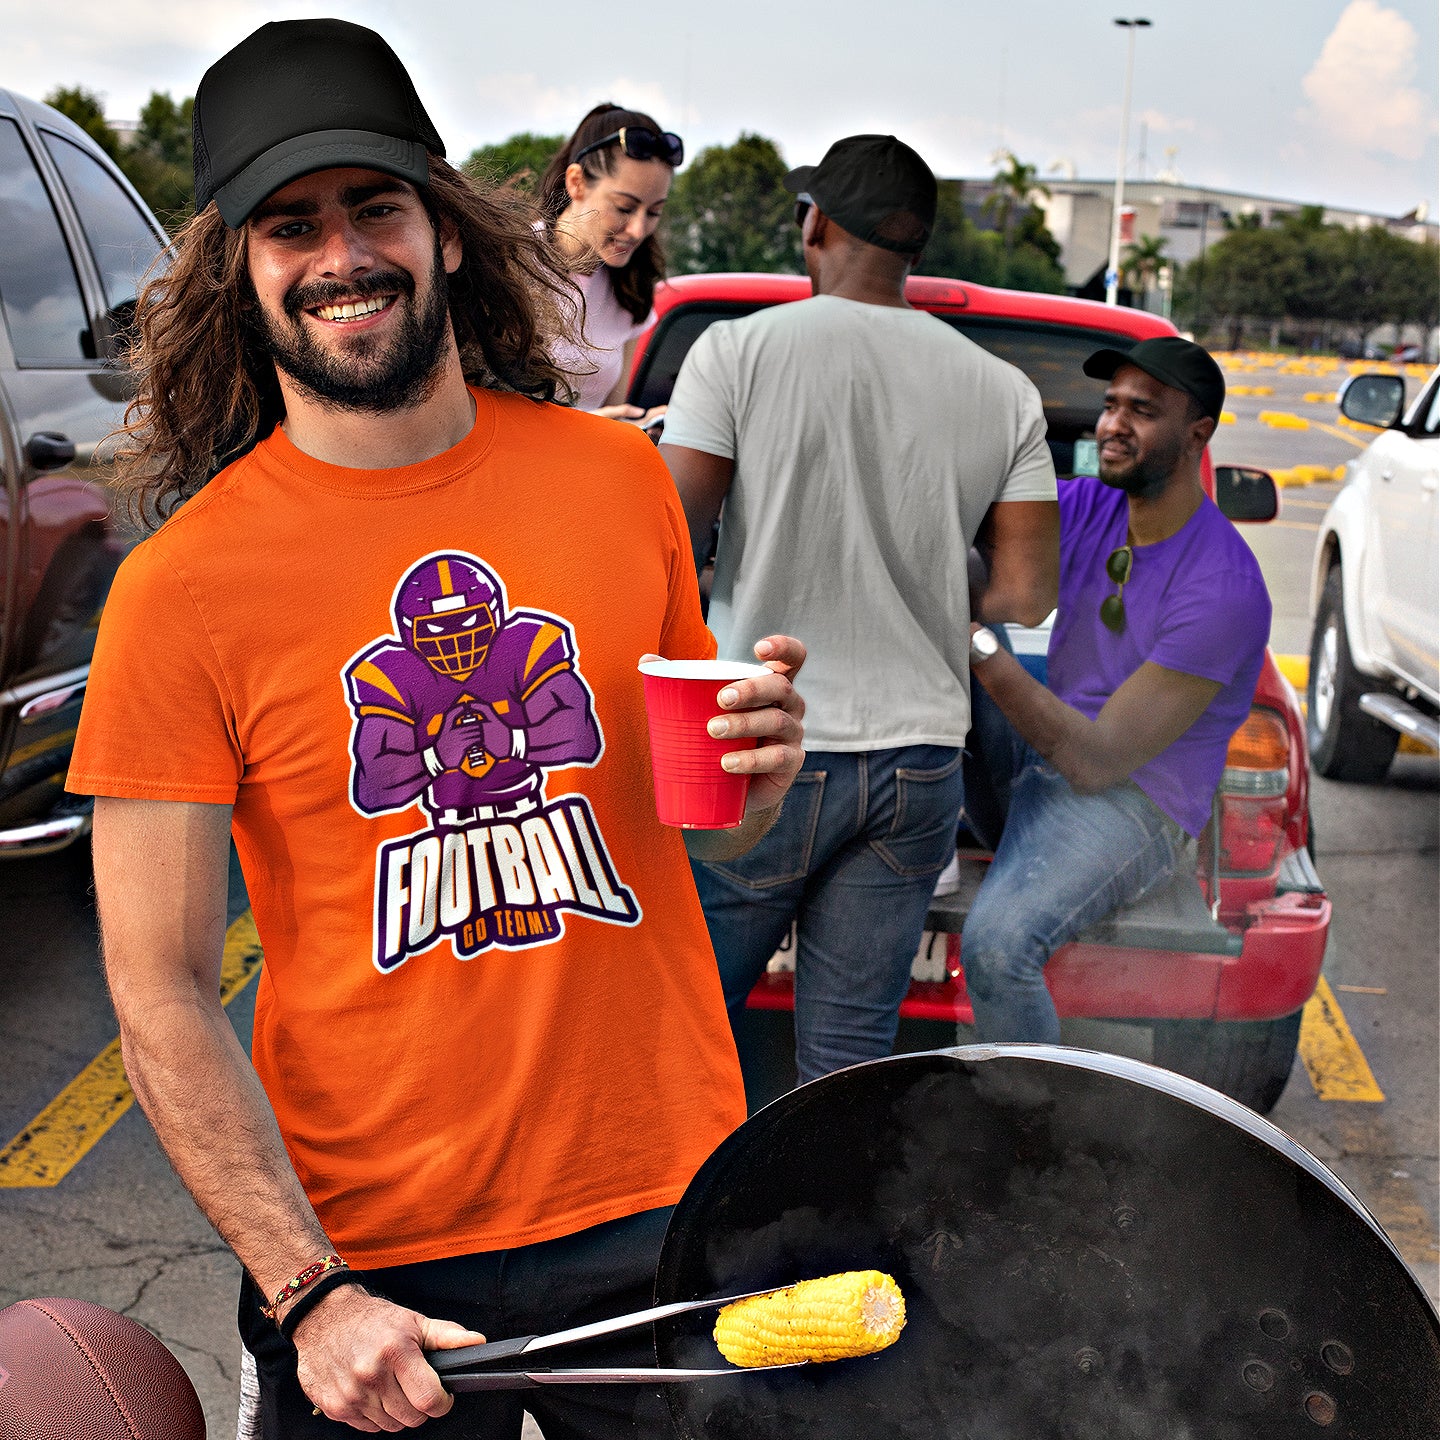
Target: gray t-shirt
x=868, y=444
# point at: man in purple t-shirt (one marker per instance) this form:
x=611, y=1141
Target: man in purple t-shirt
x=1158, y=641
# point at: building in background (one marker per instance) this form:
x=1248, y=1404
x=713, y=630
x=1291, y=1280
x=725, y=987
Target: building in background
x=1189, y=218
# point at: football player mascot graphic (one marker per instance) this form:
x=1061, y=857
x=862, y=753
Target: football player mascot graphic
x=469, y=705
x=461, y=711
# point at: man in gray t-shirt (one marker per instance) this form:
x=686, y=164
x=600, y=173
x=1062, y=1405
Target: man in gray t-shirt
x=861, y=448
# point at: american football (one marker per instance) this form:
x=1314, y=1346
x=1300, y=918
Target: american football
x=70, y=1370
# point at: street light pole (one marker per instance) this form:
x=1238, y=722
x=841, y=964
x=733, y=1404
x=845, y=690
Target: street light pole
x=1112, y=271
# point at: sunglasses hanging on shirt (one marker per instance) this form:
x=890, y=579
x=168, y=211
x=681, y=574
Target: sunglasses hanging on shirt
x=639, y=142
x=1118, y=565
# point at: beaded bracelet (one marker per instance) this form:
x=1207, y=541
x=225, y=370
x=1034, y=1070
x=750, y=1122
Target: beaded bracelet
x=296, y=1283
x=313, y=1295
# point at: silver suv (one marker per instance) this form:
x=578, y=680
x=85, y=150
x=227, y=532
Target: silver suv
x=75, y=239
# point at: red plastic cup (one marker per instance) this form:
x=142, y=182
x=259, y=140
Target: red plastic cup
x=692, y=790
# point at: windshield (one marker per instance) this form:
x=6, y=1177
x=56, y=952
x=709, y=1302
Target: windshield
x=1051, y=355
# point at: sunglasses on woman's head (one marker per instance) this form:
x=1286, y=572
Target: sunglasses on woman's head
x=1112, y=608
x=639, y=142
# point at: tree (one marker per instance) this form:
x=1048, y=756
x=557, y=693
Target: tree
x=957, y=249
x=730, y=210
x=521, y=159
x=1250, y=275
x=1144, y=261
x=87, y=110
x=1013, y=192
x=1315, y=276
x=1389, y=282
x=159, y=160
x=1027, y=267
x=962, y=251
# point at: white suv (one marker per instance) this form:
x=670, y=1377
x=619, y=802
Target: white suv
x=1375, y=592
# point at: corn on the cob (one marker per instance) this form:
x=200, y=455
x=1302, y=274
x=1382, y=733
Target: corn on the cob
x=855, y=1313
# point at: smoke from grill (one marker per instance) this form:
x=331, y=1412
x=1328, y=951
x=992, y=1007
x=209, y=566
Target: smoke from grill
x=1082, y=1257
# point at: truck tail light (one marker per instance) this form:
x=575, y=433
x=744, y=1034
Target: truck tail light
x=1252, y=794
x=1258, y=760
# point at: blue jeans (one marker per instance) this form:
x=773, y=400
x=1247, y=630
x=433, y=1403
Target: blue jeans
x=1064, y=861
x=852, y=860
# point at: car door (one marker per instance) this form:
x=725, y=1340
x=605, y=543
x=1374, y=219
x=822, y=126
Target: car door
x=59, y=265
x=1406, y=478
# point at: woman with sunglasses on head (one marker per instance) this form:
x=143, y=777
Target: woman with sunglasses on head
x=602, y=195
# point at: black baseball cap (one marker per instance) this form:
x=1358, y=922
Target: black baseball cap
x=299, y=96
x=865, y=181
x=1181, y=364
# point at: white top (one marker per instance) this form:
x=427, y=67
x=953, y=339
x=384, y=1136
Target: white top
x=608, y=326
x=868, y=444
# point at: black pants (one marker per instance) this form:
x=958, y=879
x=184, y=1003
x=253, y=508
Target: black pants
x=531, y=1290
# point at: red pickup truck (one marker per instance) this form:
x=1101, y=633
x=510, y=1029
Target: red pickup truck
x=1219, y=961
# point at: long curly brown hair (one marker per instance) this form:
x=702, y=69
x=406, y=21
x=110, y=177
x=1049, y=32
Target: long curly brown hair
x=206, y=390
x=634, y=283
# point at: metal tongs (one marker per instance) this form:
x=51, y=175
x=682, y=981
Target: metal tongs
x=456, y=1370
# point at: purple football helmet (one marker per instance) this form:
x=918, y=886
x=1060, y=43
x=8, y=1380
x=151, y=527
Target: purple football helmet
x=448, y=609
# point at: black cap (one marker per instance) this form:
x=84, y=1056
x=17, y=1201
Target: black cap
x=874, y=186
x=299, y=96
x=1181, y=364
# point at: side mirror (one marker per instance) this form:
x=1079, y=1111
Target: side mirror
x=1244, y=493
x=1373, y=400
x=49, y=450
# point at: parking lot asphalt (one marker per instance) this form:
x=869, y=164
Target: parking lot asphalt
x=111, y=1224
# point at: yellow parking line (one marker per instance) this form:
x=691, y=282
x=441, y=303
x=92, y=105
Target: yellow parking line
x=70, y=1126
x=1340, y=435
x=1336, y=1064
x=36, y=747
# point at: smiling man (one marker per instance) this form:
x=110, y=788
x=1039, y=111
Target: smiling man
x=386, y=636
x=1158, y=641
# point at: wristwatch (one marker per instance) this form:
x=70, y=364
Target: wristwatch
x=983, y=645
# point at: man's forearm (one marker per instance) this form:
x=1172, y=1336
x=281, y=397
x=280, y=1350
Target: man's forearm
x=1057, y=731
x=206, y=1104
x=713, y=847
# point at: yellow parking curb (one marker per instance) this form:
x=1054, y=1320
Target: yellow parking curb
x=1296, y=669
x=1313, y=474
x=1282, y=420
x=1322, y=397
x=1227, y=417
x=1335, y=1062
x=74, y=1122
x=1304, y=475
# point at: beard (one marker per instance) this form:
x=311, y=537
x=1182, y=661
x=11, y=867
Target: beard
x=1144, y=476
x=370, y=373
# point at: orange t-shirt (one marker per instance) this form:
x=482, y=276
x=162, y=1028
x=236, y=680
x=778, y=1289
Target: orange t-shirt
x=489, y=1013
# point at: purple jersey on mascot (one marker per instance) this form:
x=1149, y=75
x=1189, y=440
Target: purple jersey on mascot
x=469, y=705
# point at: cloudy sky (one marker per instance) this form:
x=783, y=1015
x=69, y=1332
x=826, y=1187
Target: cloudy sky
x=1331, y=101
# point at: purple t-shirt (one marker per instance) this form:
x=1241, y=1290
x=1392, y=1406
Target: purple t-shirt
x=1196, y=603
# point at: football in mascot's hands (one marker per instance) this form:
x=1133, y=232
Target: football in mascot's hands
x=70, y=1370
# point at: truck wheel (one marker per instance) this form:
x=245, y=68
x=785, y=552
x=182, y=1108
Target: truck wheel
x=1345, y=742
x=1248, y=1060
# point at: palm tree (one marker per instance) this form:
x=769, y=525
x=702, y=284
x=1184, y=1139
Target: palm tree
x=1144, y=260
x=1015, y=188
